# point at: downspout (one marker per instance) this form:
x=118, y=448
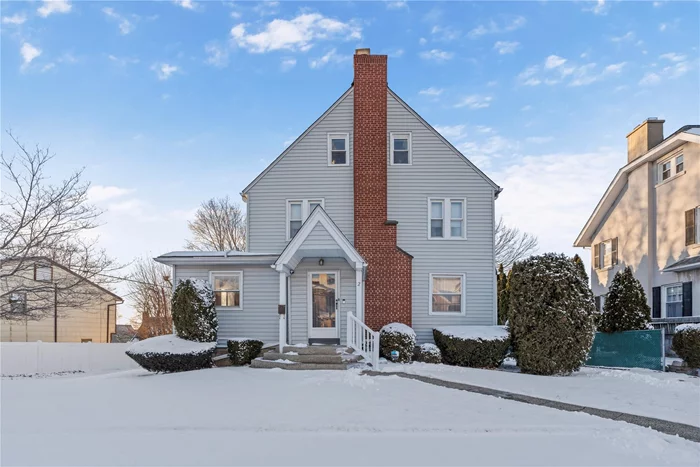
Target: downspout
x=107, y=340
x=55, y=312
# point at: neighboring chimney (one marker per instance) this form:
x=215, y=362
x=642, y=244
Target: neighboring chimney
x=388, y=285
x=644, y=137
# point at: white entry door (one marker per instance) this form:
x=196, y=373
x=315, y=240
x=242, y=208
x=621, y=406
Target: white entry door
x=323, y=305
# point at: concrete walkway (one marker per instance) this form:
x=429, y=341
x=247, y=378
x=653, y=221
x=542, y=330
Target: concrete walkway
x=688, y=432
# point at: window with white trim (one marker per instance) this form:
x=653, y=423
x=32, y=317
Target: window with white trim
x=679, y=164
x=18, y=303
x=446, y=294
x=227, y=288
x=673, y=303
x=297, y=212
x=400, y=148
x=43, y=272
x=447, y=218
x=670, y=167
x=338, y=149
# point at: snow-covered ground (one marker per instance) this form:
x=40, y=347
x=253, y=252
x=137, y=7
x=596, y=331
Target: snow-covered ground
x=668, y=396
x=230, y=416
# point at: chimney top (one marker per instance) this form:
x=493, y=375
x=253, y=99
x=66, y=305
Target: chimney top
x=362, y=52
x=644, y=137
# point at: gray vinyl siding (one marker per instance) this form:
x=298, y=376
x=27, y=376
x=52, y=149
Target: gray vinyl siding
x=437, y=171
x=303, y=173
x=299, y=311
x=258, y=317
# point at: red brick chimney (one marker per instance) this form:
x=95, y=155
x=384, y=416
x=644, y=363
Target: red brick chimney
x=388, y=283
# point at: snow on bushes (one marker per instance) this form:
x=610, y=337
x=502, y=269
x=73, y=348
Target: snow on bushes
x=194, y=315
x=625, y=306
x=243, y=351
x=428, y=353
x=472, y=346
x=170, y=354
x=550, y=316
x=399, y=337
x=686, y=343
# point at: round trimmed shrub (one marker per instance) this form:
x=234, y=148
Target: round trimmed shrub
x=551, y=315
x=194, y=314
x=399, y=337
x=686, y=343
x=472, y=346
x=428, y=353
x=625, y=306
x=171, y=354
x=243, y=351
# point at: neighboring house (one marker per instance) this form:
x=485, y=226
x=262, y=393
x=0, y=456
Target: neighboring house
x=649, y=219
x=370, y=212
x=124, y=333
x=92, y=318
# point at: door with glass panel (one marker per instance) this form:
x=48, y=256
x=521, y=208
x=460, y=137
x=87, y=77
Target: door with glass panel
x=323, y=305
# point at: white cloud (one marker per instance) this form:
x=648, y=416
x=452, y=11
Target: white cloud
x=288, y=63
x=123, y=61
x=657, y=4
x=539, y=139
x=436, y=55
x=554, y=61
x=422, y=41
x=236, y=15
x=433, y=92
x=217, y=55
x=673, y=57
x=164, y=70
x=332, y=57
x=297, y=34
x=624, y=38
x=50, y=7
x=29, y=53
x=525, y=108
x=396, y=5
x=556, y=70
x=679, y=66
x=186, y=4
x=494, y=28
x=599, y=8
x=452, y=132
x=662, y=27
x=649, y=79
x=125, y=26
x=14, y=19
x=482, y=153
x=445, y=33
x=266, y=8
x=475, y=101
x=506, y=47
x=614, y=68
x=98, y=193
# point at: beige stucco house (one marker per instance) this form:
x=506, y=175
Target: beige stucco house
x=73, y=309
x=649, y=219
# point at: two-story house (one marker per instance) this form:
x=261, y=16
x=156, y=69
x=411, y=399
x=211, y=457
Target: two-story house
x=649, y=219
x=370, y=212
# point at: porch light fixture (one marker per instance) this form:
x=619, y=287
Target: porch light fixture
x=320, y=262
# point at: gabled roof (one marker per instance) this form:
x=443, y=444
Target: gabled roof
x=684, y=135
x=318, y=216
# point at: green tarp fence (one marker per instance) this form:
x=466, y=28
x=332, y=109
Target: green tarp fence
x=629, y=349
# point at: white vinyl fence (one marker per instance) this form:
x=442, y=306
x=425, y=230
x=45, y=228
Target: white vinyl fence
x=26, y=358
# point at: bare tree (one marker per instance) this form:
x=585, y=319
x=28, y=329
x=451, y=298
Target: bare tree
x=150, y=290
x=219, y=225
x=42, y=224
x=513, y=245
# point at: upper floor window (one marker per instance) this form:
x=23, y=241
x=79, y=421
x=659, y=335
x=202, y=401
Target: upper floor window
x=679, y=163
x=43, y=272
x=605, y=254
x=18, y=303
x=227, y=288
x=297, y=212
x=400, y=148
x=670, y=167
x=692, y=226
x=338, y=144
x=446, y=218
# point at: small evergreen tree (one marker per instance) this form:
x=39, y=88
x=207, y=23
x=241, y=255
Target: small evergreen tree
x=194, y=315
x=625, y=306
x=581, y=267
x=502, y=290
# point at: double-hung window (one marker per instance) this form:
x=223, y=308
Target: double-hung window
x=18, y=303
x=338, y=149
x=297, y=212
x=674, y=165
x=679, y=164
x=400, y=148
x=447, y=218
x=674, y=301
x=227, y=287
x=43, y=272
x=446, y=294
x=605, y=254
x=692, y=226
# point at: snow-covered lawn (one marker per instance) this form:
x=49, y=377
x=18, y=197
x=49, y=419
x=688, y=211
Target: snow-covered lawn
x=231, y=416
x=668, y=396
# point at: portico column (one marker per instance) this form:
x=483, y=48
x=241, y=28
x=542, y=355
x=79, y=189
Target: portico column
x=282, y=310
x=359, y=296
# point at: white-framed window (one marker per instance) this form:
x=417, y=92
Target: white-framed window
x=692, y=226
x=669, y=167
x=605, y=254
x=297, y=212
x=673, y=300
x=338, y=149
x=447, y=218
x=228, y=288
x=447, y=294
x=18, y=303
x=401, y=148
x=679, y=164
x=43, y=272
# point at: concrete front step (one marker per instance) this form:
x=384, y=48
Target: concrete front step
x=311, y=358
x=315, y=349
x=260, y=363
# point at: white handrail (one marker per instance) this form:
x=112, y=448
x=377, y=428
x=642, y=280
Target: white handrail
x=362, y=339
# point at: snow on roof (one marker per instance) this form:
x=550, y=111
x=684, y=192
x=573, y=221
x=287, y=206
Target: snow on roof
x=212, y=254
x=484, y=333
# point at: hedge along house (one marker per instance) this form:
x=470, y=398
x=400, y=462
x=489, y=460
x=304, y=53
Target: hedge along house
x=371, y=214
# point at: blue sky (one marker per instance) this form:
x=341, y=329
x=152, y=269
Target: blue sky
x=167, y=104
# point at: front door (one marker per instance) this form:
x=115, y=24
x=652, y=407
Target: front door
x=323, y=305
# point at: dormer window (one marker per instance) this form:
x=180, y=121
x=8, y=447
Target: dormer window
x=338, y=144
x=400, y=148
